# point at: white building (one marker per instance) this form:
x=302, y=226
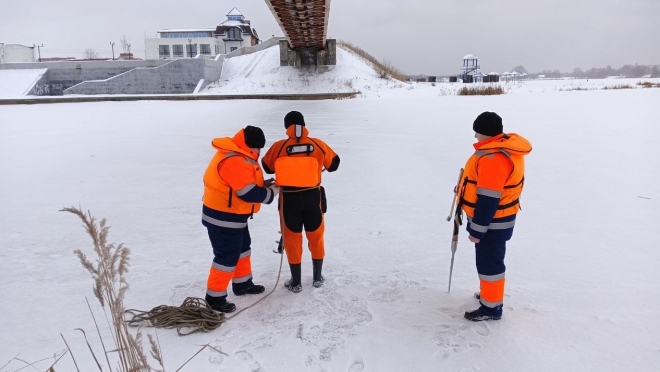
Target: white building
x=234, y=33
x=16, y=53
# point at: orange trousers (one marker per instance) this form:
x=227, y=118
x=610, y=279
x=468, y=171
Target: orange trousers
x=302, y=210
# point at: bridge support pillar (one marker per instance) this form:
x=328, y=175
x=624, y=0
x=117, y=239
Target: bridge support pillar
x=306, y=57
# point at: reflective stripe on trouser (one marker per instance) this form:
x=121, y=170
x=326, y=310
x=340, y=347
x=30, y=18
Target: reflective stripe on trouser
x=231, y=251
x=302, y=211
x=243, y=271
x=491, y=269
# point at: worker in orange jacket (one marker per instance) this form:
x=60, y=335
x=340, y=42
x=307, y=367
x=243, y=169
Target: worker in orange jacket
x=490, y=197
x=297, y=163
x=234, y=189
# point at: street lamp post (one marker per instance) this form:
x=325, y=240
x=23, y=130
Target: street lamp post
x=129, y=51
x=112, y=44
x=190, y=48
x=38, y=49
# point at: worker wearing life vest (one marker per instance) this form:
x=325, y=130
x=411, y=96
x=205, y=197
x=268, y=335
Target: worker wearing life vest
x=297, y=163
x=490, y=196
x=234, y=190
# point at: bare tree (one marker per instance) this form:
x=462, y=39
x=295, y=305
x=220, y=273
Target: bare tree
x=125, y=44
x=519, y=68
x=91, y=54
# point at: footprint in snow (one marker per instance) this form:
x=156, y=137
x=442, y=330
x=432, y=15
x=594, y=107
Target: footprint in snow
x=357, y=366
x=248, y=359
x=215, y=356
x=181, y=291
x=374, y=234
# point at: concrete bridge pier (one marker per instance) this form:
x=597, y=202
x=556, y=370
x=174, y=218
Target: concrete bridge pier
x=308, y=56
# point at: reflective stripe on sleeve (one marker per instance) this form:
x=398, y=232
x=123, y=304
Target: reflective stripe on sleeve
x=492, y=226
x=478, y=228
x=247, y=253
x=227, y=224
x=246, y=189
x=269, y=194
x=489, y=192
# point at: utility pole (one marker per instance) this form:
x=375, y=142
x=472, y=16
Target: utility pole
x=113, y=50
x=129, y=51
x=38, y=49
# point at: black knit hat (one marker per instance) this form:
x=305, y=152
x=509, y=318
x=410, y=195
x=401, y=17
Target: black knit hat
x=254, y=137
x=293, y=118
x=488, y=124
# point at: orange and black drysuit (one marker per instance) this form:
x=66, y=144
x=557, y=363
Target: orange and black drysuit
x=233, y=192
x=297, y=163
x=490, y=196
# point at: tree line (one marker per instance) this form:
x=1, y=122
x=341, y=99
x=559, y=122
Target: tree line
x=628, y=71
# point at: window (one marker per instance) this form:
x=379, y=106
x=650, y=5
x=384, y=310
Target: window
x=233, y=49
x=164, y=51
x=234, y=33
x=191, y=49
x=205, y=49
x=178, y=50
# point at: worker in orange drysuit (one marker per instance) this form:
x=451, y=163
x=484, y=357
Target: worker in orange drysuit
x=490, y=196
x=297, y=163
x=234, y=189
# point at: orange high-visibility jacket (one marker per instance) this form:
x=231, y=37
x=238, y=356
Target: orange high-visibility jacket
x=505, y=153
x=219, y=192
x=299, y=160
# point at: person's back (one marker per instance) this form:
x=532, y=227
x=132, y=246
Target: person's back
x=297, y=163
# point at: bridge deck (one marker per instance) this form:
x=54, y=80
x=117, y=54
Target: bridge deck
x=304, y=22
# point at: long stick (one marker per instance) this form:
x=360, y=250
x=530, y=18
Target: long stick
x=453, y=204
x=458, y=217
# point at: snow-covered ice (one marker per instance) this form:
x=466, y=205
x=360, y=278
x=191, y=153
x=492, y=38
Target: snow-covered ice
x=583, y=268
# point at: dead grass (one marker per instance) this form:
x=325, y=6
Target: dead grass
x=618, y=86
x=480, y=91
x=572, y=89
x=648, y=84
x=384, y=69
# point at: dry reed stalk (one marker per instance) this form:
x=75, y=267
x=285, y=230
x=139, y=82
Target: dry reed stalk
x=110, y=287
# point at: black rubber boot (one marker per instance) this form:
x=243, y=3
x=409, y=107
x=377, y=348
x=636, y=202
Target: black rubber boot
x=318, y=277
x=293, y=284
x=254, y=289
x=220, y=304
x=484, y=313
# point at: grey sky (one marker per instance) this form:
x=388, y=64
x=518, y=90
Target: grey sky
x=418, y=36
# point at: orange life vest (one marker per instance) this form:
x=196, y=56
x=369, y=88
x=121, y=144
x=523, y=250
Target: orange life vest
x=513, y=146
x=301, y=162
x=218, y=194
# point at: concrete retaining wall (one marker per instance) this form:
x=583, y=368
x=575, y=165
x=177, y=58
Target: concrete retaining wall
x=175, y=77
x=180, y=97
x=180, y=76
x=131, y=77
x=65, y=74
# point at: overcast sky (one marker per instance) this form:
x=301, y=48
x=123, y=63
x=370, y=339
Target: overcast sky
x=417, y=36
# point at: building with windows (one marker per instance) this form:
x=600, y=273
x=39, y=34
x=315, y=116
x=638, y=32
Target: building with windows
x=234, y=33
